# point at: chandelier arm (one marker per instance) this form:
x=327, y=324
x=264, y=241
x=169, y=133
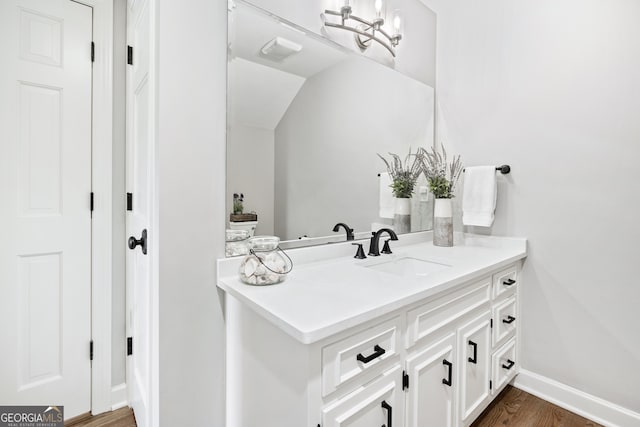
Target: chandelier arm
x=362, y=33
x=332, y=12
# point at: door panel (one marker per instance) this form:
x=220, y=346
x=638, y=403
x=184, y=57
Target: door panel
x=429, y=399
x=45, y=218
x=475, y=363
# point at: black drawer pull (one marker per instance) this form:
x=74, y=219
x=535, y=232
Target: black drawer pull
x=509, y=364
x=509, y=320
x=389, y=409
x=474, y=359
x=378, y=351
x=450, y=365
x=509, y=282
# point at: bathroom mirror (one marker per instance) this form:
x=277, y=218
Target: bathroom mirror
x=304, y=131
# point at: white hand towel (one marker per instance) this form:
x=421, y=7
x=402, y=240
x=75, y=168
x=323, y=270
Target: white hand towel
x=387, y=202
x=479, y=196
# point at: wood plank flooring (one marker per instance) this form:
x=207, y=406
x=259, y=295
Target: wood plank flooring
x=122, y=417
x=513, y=407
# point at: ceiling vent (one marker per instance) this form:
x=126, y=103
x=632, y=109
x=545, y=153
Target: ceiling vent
x=280, y=48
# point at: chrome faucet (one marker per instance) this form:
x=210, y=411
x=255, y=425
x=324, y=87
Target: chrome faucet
x=348, y=229
x=375, y=240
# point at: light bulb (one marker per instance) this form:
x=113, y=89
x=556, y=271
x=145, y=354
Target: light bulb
x=378, y=6
x=396, y=24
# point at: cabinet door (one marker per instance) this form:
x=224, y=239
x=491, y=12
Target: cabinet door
x=475, y=364
x=377, y=404
x=432, y=384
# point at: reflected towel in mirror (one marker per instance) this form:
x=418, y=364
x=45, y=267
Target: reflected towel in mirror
x=387, y=202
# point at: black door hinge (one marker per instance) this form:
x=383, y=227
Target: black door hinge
x=91, y=350
x=129, y=55
x=491, y=323
x=91, y=202
x=490, y=385
x=405, y=380
x=129, y=201
x=129, y=346
x=93, y=52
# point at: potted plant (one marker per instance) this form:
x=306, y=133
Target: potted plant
x=403, y=180
x=441, y=178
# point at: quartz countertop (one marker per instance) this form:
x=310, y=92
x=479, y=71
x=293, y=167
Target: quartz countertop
x=329, y=291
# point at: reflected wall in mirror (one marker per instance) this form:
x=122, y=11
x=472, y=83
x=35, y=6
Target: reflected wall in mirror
x=304, y=131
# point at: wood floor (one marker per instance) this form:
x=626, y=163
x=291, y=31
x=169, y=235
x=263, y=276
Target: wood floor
x=513, y=407
x=121, y=418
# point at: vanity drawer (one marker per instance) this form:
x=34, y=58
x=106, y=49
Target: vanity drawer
x=363, y=352
x=504, y=365
x=426, y=319
x=505, y=319
x=505, y=281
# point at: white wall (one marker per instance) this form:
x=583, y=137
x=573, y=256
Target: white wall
x=326, y=167
x=250, y=151
x=191, y=178
x=553, y=89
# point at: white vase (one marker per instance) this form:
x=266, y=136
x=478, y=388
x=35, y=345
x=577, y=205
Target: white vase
x=402, y=215
x=443, y=223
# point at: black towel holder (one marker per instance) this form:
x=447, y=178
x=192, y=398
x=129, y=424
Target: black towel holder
x=504, y=169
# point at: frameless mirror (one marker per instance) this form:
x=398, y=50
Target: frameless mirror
x=306, y=119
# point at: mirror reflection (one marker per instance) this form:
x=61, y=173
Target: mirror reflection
x=307, y=119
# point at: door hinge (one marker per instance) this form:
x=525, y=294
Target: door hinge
x=129, y=55
x=129, y=201
x=93, y=52
x=405, y=380
x=491, y=323
x=129, y=346
x=91, y=202
x=490, y=385
x=91, y=350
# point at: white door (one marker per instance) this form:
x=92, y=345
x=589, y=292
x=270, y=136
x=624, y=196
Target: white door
x=45, y=218
x=475, y=363
x=140, y=151
x=432, y=384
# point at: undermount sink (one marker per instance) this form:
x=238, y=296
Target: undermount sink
x=408, y=267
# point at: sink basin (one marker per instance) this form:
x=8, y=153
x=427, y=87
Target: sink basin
x=408, y=267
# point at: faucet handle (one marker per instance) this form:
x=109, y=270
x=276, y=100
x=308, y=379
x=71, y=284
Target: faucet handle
x=360, y=252
x=386, y=249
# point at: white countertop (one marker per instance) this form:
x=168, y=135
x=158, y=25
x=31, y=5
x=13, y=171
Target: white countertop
x=329, y=291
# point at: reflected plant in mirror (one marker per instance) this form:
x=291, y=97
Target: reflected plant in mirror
x=304, y=129
x=404, y=175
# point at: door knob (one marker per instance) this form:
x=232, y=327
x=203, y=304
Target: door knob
x=133, y=242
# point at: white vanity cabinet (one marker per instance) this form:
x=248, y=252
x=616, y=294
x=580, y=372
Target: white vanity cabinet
x=438, y=361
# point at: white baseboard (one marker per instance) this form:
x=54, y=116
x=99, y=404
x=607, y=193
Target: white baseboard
x=579, y=402
x=119, y=396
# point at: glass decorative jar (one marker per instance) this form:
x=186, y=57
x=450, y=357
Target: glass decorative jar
x=266, y=263
x=236, y=242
